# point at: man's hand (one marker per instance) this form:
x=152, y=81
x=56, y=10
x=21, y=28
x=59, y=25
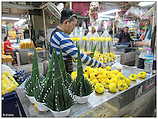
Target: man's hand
x=142, y=43
x=107, y=64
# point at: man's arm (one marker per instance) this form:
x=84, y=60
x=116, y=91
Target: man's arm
x=70, y=49
x=129, y=38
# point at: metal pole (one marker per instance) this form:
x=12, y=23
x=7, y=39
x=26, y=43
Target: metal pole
x=70, y=5
x=153, y=15
x=45, y=32
x=113, y=29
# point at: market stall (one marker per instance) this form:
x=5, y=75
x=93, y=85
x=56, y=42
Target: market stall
x=124, y=103
x=38, y=84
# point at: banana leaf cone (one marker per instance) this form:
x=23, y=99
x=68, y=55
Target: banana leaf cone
x=66, y=76
x=58, y=99
x=30, y=84
x=81, y=86
x=44, y=86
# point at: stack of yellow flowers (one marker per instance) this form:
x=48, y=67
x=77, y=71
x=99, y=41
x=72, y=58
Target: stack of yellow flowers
x=105, y=57
x=7, y=58
x=92, y=39
x=26, y=45
x=105, y=78
x=8, y=83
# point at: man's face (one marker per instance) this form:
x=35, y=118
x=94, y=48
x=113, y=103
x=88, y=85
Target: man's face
x=70, y=25
x=125, y=30
x=93, y=30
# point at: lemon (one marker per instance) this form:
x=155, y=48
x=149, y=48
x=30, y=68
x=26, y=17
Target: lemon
x=99, y=88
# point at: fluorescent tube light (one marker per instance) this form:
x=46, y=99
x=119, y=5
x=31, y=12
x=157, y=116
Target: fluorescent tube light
x=111, y=11
x=10, y=18
x=20, y=22
x=142, y=4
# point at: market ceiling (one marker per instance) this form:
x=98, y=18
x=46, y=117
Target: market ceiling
x=12, y=8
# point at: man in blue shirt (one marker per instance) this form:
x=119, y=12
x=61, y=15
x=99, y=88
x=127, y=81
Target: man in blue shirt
x=124, y=37
x=60, y=40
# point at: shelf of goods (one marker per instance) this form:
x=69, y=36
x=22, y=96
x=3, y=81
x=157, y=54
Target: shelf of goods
x=140, y=93
x=7, y=59
x=101, y=44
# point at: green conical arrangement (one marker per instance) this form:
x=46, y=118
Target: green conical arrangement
x=81, y=86
x=58, y=99
x=31, y=83
x=67, y=77
x=45, y=86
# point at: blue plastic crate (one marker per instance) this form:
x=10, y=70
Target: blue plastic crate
x=11, y=106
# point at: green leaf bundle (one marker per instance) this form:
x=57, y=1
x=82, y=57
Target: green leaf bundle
x=31, y=83
x=58, y=99
x=81, y=86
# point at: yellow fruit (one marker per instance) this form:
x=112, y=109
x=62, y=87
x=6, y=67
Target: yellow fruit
x=112, y=87
x=99, y=88
x=142, y=75
x=133, y=77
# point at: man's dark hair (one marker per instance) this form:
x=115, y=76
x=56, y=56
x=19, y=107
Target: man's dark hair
x=67, y=14
x=5, y=38
x=126, y=27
